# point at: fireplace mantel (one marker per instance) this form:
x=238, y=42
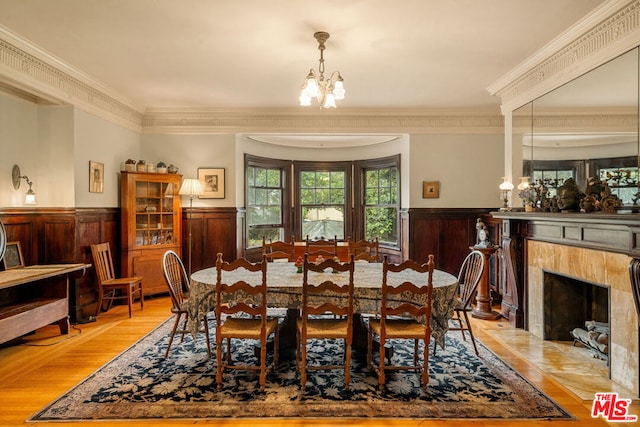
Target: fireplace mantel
x=599, y=248
x=618, y=233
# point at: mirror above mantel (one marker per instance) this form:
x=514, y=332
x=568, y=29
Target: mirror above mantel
x=587, y=127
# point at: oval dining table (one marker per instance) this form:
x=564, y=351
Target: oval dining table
x=284, y=290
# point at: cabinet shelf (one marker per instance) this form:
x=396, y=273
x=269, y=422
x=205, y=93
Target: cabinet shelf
x=151, y=225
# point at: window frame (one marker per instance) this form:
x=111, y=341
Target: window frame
x=360, y=169
x=307, y=166
x=354, y=193
x=265, y=163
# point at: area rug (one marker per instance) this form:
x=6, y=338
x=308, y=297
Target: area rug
x=140, y=384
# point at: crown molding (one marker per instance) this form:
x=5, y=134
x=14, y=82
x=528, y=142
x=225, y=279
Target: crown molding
x=322, y=121
x=29, y=69
x=623, y=120
x=607, y=32
x=30, y=73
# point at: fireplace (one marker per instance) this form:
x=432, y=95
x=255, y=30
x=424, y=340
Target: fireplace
x=576, y=310
x=597, y=249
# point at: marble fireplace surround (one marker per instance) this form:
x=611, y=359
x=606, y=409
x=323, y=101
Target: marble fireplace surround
x=597, y=266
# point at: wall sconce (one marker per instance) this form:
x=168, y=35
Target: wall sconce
x=30, y=197
x=505, y=188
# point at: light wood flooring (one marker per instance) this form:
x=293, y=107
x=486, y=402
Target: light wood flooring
x=43, y=366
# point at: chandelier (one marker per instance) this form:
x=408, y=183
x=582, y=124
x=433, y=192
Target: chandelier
x=325, y=91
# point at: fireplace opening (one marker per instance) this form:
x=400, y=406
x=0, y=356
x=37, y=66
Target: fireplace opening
x=576, y=310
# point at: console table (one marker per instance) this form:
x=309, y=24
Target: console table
x=35, y=296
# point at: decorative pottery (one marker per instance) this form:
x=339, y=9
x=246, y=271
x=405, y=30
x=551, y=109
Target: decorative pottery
x=141, y=166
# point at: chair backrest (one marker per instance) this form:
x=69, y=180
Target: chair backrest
x=321, y=247
x=250, y=284
x=278, y=250
x=101, y=254
x=408, y=277
x=176, y=277
x=326, y=290
x=364, y=250
x=469, y=276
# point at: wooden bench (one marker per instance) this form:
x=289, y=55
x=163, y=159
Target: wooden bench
x=35, y=296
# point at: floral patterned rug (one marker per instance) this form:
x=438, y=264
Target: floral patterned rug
x=141, y=384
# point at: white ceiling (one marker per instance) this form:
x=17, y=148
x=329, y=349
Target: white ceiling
x=254, y=54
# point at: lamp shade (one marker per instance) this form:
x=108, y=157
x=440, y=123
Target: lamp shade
x=506, y=184
x=190, y=187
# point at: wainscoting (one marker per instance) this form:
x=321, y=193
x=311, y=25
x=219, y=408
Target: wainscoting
x=49, y=236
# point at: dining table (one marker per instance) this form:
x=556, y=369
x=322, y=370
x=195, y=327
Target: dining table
x=284, y=290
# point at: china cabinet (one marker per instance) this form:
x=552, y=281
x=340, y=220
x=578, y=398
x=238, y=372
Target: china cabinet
x=151, y=220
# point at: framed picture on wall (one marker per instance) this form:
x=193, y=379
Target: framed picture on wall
x=430, y=189
x=12, y=256
x=96, y=177
x=212, y=180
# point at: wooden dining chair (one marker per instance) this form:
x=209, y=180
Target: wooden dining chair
x=321, y=247
x=468, y=279
x=327, y=313
x=178, y=283
x=403, y=320
x=278, y=250
x=111, y=287
x=234, y=301
x=364, y=250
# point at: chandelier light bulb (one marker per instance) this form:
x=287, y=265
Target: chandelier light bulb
x=327, y=91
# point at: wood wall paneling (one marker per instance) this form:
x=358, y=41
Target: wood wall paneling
x=213, y=230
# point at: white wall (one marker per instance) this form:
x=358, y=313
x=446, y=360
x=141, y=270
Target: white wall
x=101, y=141
x=18, y=142
x=53, y=145
x=468, y=167
x=190, y=152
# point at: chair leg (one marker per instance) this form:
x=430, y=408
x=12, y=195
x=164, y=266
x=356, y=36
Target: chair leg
x=473, y=340
x=425, y=369
x=303, y=364
x=141, y=296
x=173, y=332
x=381, y=378
x=347, y=365
x=130, y=300
x=206, y=332
x=263, y=364
x=220, y=361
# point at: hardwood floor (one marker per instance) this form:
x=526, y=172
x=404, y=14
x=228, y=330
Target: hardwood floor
x=40, y=367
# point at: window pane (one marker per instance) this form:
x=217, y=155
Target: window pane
x=371, y=196
x=384, y=178
x=308, y=197
x=308, y=179
x=261, y=196
x=381, y=223
x=270, y=234
x=337, y=179
x=322, y=179
x=322, y=196
x=337, y=197
x=323, y=222
x=371, y=178
x=385, y=196
x=261, y=177
x=274, y=197
x=251, y=196
x=273, y=178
